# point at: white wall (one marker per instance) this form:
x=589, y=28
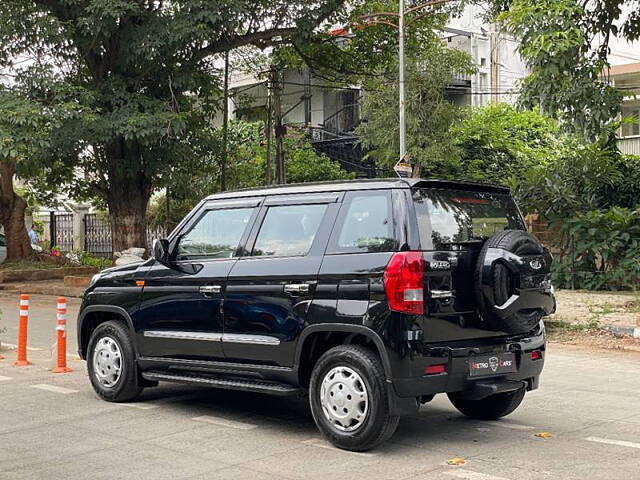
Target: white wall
x=510, y=67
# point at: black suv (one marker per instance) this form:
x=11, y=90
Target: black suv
x=371, y=296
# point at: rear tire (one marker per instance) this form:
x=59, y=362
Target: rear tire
x=111, y=363
x=489, y=408
x=348, y=398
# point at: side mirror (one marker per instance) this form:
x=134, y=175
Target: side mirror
x=161, y=250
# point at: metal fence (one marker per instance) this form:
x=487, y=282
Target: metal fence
x=97, y=235
x=61, y=231
x=152, y=234
x=94, y=235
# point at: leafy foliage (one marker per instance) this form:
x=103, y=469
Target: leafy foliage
x=368, y=42
x=499, y=143
x=25, y=150
x=88, y=260
x=143, y=77
x=246, y=168
x=606, y=250
x=565, y=44
x=581, y=177
x=429, y=113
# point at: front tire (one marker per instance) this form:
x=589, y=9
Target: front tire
x=491, y=407
x=111, y=363
x=348, y=398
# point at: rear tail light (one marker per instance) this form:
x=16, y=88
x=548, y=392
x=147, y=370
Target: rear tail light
x=536, y=355
x=404, y=283
x=435, y=369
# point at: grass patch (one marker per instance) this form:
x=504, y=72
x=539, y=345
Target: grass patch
x=558, y=326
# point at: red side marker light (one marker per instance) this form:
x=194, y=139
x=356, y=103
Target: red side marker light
x=536, y=355
x=435, y=369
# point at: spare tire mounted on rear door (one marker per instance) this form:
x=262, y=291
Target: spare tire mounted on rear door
x=512, y=282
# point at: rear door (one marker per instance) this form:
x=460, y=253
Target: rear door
x=181, y=311
x=270, y=288
x=365, y=235
x=453, y=225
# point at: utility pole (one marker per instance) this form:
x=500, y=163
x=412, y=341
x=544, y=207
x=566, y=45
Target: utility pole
x=225, y=125
x=403, y=168
x=268, y=166
x=278, y=128
x=403, y=128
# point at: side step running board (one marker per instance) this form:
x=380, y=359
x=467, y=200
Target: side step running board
x=219, y=381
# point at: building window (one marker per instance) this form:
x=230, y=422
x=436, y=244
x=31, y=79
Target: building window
x=631, y=129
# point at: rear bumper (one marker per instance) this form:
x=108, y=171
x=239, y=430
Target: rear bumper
x=457, y=377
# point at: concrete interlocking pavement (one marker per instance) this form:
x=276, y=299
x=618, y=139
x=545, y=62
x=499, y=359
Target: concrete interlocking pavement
x=53, y=426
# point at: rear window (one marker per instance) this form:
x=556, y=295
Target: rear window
x=365, y=224
x=449, y=219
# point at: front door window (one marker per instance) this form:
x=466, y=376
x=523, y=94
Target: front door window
x=216, y=235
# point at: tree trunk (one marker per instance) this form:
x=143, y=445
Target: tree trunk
x=128, y=195
x=12, y=208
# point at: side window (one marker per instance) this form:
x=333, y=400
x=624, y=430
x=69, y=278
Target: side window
x=215, y=235
x=365, y=224
x=288, y=230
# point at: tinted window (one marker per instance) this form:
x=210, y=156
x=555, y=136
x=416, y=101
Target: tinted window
x=365, y=224
x=216, y=234
x=288, y=230
x=2, y=243
x=449, y=218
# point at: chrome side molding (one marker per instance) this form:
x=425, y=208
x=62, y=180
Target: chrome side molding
x=178, y=335
x=250, y=339
x=213, y=337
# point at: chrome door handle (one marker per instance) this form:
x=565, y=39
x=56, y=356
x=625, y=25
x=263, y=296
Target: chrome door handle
x=296, y=288
x=210, y=289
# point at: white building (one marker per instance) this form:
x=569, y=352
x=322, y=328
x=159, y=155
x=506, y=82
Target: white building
x=624, y=74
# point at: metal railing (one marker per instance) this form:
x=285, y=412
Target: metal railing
x=629, y=145
x=345, y=120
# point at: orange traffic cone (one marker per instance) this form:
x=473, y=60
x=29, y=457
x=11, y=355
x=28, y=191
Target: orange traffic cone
x=61, y=327
x=22, y=361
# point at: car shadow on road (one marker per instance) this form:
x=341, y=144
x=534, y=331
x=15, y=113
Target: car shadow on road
x=432, y=424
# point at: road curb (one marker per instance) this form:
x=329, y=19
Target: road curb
x=58, y=289
x=626, y=330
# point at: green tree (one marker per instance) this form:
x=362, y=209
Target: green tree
x=429, y=113
x=24, y=137
x=581, y=177
x=142, y=72
x=246, y=168
x=498, y=143
x=565, y=44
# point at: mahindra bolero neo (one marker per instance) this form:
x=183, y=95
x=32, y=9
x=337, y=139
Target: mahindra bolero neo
x=368, y=297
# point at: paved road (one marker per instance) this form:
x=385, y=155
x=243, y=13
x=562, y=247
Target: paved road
x=53, y=426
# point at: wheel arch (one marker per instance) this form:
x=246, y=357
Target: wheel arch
x=348, y=332
x=95, y=315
